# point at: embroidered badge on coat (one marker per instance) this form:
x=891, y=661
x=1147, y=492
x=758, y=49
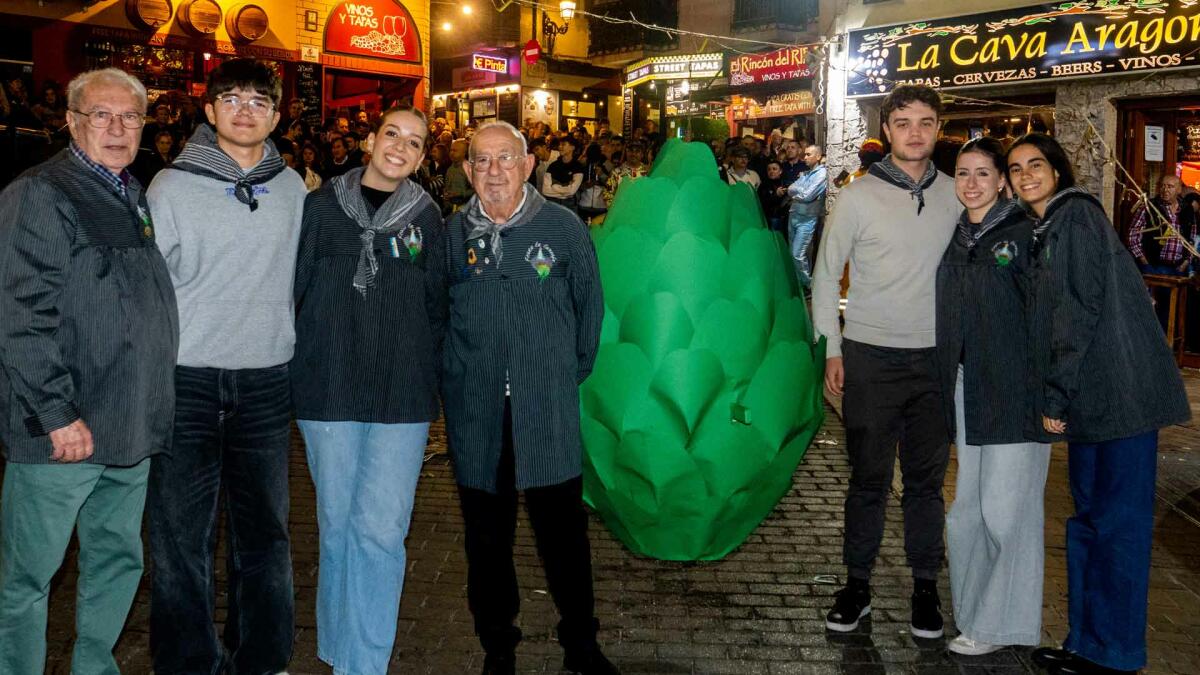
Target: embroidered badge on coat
x=471, y=259
x=1005, y=252
x=147, y=225
x=413, y=240
x=541, y=257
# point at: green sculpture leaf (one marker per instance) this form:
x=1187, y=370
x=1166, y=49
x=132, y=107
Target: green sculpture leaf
x=707, y=388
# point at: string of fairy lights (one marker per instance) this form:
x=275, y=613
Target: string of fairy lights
x=1099, y=148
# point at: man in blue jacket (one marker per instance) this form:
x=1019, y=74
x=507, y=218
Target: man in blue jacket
x=807, y=206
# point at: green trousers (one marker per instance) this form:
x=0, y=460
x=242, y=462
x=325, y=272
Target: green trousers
x=39, y=508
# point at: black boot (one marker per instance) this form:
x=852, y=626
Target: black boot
x=582, y=654
x=926, y=610
x=499, y=642
x=589, y=661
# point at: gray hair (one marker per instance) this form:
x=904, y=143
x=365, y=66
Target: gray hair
x=115, y=76
x=507, y=128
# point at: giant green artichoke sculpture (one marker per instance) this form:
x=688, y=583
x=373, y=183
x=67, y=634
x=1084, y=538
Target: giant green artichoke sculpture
x=706, y=391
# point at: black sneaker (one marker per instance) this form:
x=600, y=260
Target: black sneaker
x=851, y=604
x=590, y=661
x=926, y=612
x=500, y=664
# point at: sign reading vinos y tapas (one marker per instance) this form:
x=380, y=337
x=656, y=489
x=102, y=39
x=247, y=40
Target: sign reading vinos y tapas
x=378, y=29
x=789, y=63
x=1054, y=41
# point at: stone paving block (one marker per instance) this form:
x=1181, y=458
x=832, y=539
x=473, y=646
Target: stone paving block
x=759, y=611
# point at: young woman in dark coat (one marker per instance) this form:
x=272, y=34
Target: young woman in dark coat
x=994, y=529
x=371, y=307
x=1102, y=376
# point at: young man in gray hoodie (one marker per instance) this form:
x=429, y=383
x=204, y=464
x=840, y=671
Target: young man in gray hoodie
x=892, y=225
x=228, y=216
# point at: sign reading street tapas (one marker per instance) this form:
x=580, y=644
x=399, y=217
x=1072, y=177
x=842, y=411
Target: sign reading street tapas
x=1043, y=42
x=378, y=29
x=678, y=67
x=491, y=64
x=789, y=63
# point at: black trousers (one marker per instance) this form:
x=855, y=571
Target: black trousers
x=560, y=530
x=893, y=397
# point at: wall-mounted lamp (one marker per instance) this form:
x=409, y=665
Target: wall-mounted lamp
x=551, y=30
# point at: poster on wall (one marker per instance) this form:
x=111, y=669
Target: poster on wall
x=309, y=81
x=539, y=105
x=509, y=109
x=376, y=29
x=1053, y=41
x=1154, y=143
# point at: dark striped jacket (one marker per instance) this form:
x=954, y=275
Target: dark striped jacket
x=88, y=323
x=981, y=325
x=375, y=358
x=542, y=331
x=1098, y=359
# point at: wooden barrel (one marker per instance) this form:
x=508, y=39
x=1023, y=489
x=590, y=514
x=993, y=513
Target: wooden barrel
x=149, y=14
x=201, y=17
x=246, y=22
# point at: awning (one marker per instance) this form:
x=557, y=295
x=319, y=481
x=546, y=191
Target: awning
x=757, y=91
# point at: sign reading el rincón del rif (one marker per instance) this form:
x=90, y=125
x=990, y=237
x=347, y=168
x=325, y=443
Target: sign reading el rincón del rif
x=1043, y=42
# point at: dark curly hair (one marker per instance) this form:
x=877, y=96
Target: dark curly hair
x=905, y=94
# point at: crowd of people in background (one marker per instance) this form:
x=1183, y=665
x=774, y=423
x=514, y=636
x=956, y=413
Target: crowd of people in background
x=579, y=168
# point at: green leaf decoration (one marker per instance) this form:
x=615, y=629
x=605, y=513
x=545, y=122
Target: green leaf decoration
x=702, y=325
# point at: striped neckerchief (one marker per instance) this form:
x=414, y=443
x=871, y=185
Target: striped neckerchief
x=118, y=182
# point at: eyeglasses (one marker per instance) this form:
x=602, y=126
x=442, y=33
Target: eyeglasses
x=102, y=119
x=258, y=107
x=506, y=161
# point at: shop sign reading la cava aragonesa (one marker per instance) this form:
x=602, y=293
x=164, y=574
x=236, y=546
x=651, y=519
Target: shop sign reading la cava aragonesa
x=377, y=29
x=1054, y=41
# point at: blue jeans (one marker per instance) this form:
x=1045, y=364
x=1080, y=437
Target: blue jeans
x=1108, y=549
x=366, y=476
x=801, y=227
x=232, y=432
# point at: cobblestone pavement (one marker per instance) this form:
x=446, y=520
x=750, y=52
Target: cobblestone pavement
x=760, y=610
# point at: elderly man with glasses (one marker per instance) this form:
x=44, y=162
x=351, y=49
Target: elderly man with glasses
x=525, y=313
x=228, y=213
x=88, y=336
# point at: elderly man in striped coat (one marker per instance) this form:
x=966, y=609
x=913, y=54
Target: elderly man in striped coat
x=525, y=314
x=88, y=335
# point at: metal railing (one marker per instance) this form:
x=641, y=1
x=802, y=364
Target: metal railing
x=610, y=38
x=751, y=14
x=21, y=148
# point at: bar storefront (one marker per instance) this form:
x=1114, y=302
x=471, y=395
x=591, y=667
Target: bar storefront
x=483, y=86
x=332, y=53
x=771, y=90
x=1098, y=75
x=665, y=89
x=498, y=84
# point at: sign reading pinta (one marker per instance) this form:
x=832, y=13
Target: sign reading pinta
x=378, y=29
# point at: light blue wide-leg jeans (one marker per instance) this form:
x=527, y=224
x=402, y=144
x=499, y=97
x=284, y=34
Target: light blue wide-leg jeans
x=366, y=476
x=994, y=538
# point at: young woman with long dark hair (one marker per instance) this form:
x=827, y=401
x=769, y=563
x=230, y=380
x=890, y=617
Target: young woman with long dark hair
x=1103, y=377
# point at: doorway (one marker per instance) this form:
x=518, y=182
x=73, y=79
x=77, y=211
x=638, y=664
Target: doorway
x=347, y=92
x=1160, y=137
